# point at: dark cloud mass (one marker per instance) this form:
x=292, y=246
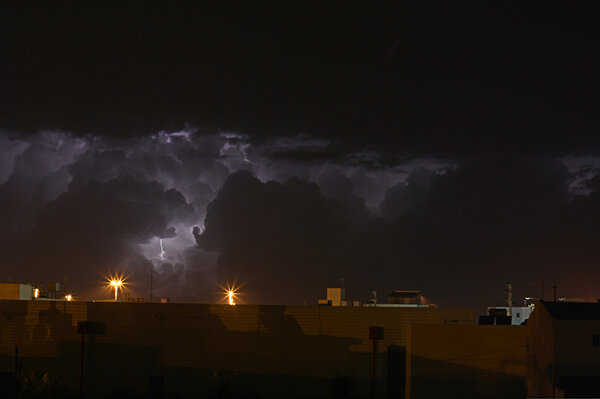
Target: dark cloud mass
x=458, y=235
x=284, y=242
x=286, y=229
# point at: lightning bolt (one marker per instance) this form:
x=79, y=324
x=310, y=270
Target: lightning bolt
x=162, y=250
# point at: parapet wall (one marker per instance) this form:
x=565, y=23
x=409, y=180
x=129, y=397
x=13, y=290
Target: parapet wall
x=194, y=349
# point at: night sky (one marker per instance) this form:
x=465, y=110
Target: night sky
x=435, y=146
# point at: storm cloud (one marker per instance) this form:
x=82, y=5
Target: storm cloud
x=457, y=233
x=287, y=218
x=77, y=208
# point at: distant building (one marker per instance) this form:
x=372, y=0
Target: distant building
x=495, y=317
x=564, y=350
x=572, y=299
x=16, y=291
x=336, y=296
x=519, y=313
x=27, y=292
x=398, y=297
x=402, y=299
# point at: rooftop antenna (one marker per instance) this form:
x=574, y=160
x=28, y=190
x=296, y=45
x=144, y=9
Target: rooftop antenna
x=509, y=300
x=373, y=296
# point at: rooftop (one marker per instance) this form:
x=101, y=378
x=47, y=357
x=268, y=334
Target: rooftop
x=573, y=310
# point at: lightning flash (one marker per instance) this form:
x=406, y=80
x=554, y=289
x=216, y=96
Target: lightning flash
x=162, y=250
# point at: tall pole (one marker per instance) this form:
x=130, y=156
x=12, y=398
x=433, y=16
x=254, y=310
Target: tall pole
x=509, y=300
x=151, y=270
x=375, y=334
x=373, y=363
x=542, y=287
x=17, y=377
x=81, y=367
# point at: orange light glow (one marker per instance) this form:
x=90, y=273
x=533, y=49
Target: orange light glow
x=36, y=292
x=231, y=294
x=68, y=297
x=116, y=283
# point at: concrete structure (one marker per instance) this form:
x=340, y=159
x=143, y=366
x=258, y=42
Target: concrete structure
x=195, y=350
x=519, y=313
x=399, y=297
x=564, y=350
x=16, y=291
x=336, y=296
x=466, y=361
x=191, y=350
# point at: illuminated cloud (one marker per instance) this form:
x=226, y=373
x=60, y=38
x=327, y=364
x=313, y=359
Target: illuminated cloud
x=301, y=213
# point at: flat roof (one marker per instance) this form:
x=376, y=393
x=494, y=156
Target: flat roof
x=404, y=292
x=573, y=310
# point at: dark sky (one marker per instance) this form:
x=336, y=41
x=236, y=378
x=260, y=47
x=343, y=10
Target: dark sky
x=426, y=76
x=424, y=145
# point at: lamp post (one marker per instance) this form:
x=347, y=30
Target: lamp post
x=116, y=284
x=230, y=297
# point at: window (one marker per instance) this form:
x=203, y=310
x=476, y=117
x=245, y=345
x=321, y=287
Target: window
x=518, y=315
x=596, y=340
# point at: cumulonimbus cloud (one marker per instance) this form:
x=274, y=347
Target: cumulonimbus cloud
x=286, y=217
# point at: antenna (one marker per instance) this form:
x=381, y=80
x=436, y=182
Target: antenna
x=509, y=300
x=373, y=296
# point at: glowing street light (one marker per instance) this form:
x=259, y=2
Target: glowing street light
x=231, y=293
x=68, y=297
x=116, y=284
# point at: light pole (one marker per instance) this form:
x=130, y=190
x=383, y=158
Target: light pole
x=116, y=284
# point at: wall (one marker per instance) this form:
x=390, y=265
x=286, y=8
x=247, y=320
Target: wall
x=191, y=349
x=540, y=374
x=467, y=361
x=519, y=313
x=16, y=291
x=576, y=361
x=562, y=360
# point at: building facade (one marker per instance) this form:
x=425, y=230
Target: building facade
x=564, y=350
x=191, y=350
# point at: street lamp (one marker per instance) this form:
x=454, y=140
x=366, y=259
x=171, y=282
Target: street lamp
x=116, y=284
x=231, y=297
x=231, y=294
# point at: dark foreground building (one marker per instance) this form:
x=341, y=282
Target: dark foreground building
x=564, y=350
x=152, y=350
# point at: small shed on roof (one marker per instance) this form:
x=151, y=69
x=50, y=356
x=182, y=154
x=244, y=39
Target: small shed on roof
x=405, y=297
